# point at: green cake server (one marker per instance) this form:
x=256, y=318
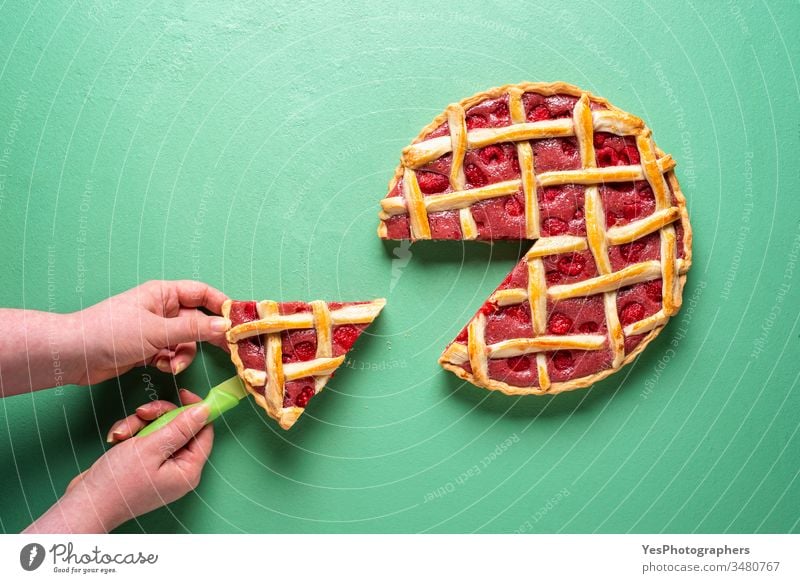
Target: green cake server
x=221, y=398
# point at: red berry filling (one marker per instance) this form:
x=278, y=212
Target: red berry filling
x=563, y=360
x=551, y=154
x=491, y=154
x=345, y=336
x=552, y=226
x=645, y=249
x=632, y=252
x=519, y=363
x=514, y=207
x=508, y=322
x=625, y=202
x=432, y=183
x=491, y=113
x=475, y=176
x=613, y=150
x=653, y=289
x=305, y=351
x=304, y=397
x=540, y=107
x=572, y=264
x=631, y=312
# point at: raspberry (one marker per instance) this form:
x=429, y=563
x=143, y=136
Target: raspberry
x=571, y=264
x=551, y=193
x=304, y=397
x=514, y=207
x=554, y=226
x=607, y=157
x=432, y=183
x=475, y=175
x=345, y=336
x=305, y=350
x=539, y=113
x=492, y=154
x=559, y=324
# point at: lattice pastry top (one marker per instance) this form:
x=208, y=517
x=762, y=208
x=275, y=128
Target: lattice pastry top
x=555, y=164
x=286, y=352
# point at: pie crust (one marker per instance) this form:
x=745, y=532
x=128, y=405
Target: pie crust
x=586, y=182
x=285, y=352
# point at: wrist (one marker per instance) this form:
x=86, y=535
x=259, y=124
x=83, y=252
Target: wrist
x=77, y=512
x=70, y=349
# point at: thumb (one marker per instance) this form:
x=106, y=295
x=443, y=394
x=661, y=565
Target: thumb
x=189, y=326
x=177, y=433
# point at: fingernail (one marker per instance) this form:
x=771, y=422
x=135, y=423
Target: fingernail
x=162, y=364
x=219, y=324
x=114, y=428
x=178, y=367
x=113, y=436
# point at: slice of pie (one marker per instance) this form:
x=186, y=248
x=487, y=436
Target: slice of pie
x=285, y=352
x=554, y=164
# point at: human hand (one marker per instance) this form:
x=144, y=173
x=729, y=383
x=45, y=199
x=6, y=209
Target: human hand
x=158, y=323
x=138, y=475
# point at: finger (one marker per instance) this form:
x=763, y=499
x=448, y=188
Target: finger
x=187, y=397
x=184, y=355
x=125, y=428
x=196, y=294
x=191, y=326
x=177, y=433
x=187, y=294
x=196, y=449
x=74, y=481
x=190, y=452
x=196, y=452
x=161, y=360
x=154, y=409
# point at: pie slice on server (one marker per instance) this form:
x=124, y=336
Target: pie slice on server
x=554, y=164
x=285, y=352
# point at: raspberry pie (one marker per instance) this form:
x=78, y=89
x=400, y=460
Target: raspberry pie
x=285, y=352
x=552, y=163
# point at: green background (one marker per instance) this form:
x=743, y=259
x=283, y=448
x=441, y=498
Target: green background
x=247, y=145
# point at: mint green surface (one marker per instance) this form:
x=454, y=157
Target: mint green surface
x=248, y=144
x=224, y=397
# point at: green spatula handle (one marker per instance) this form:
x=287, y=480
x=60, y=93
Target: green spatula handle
x=221, y=398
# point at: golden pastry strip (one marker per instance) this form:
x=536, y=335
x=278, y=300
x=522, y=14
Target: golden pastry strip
x=426, y=151
x=271, y=322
